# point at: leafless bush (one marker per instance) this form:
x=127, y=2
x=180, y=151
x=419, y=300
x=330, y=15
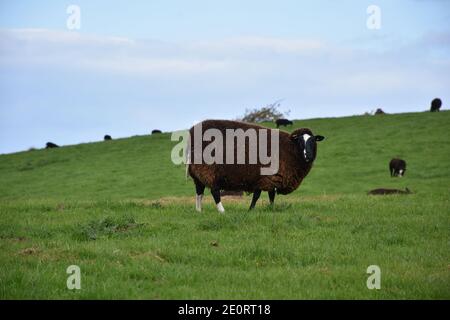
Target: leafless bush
x=270, y=112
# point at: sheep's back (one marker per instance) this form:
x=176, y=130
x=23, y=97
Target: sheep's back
x=229, y=176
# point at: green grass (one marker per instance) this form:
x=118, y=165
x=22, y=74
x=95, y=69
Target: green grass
x=125, y=214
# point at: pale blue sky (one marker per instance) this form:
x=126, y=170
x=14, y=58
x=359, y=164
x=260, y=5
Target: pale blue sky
x=139, y=65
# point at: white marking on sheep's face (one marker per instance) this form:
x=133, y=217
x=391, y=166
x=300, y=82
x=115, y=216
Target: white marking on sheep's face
x=400, y=172
x=308, y=150
x=306, y=138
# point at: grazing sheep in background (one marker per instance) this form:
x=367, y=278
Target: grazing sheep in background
x=297, y=152
x=107, y=137
x=50, y=145
x=283, y=122
x=156, y=131
x=397, y=167
x=383, y=191
x=435, y=105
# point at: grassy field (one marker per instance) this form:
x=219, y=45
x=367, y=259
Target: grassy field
x=124, y=214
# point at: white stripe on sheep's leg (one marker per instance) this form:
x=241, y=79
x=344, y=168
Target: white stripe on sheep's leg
x=220, y=207
x=215, y=192
x=198, y=202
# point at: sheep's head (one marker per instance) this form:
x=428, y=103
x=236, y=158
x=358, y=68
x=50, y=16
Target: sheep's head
x=307, y=143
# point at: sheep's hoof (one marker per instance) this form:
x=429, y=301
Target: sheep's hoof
x=220, y=207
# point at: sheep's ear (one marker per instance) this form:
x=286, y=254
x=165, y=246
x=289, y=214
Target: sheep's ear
x=319, y=138
x=294, y=137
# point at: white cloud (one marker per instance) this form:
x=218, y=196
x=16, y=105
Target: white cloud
x=45, y=36
x=289, y=68
x=258, y=45
x=77, y=50
x=157, y=66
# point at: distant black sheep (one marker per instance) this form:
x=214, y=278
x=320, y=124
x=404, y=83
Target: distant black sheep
x=435, y=105
x=107, y=137
x=50, y=145
x=397, y=167
x=156, y=131
x=380, y=111
x=383, y=191
x=283, y=122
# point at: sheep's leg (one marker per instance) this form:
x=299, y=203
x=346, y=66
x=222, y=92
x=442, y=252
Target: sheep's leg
x=272, y=196
x=200, y=190
x=256, y=195
x=216, y=195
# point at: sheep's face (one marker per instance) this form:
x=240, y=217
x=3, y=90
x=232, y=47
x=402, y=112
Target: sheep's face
x=307, y=143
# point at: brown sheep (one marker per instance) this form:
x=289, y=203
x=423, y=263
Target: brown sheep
x=297, y=152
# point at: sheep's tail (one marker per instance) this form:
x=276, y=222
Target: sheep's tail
x=188, y=155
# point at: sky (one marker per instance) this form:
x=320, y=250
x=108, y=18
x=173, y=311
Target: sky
x=135, y=66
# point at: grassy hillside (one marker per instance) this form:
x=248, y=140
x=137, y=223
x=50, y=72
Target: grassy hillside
x=353, y=159
x=125, y=214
